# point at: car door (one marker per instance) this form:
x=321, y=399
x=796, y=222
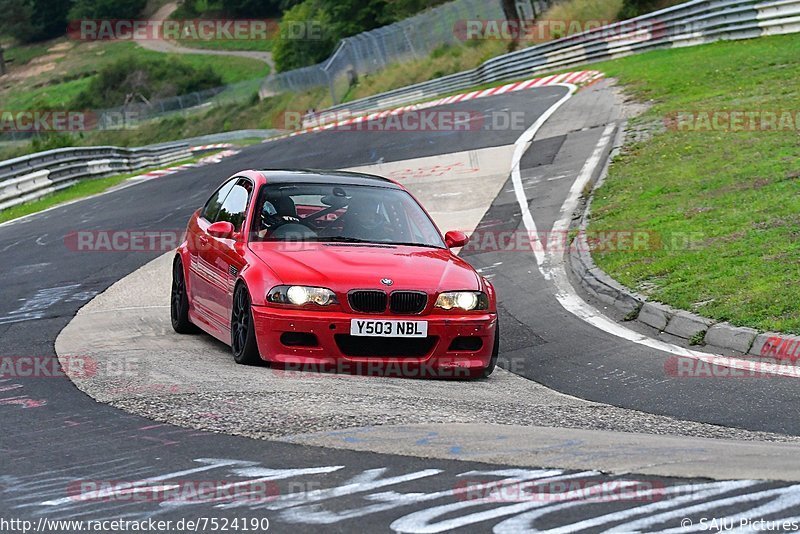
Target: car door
x=198, y=241
x=222, y=256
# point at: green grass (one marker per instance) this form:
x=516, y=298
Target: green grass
x=58, y=96
x=56, y=88
x=21, y=55
x=82, y=189
x=734, y=196
x=232, y=69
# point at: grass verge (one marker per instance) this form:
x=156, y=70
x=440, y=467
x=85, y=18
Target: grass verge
x=54, y=82
x=722, y=207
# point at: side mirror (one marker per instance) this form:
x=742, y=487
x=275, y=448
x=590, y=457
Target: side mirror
x=455, y=239
x=222, y=230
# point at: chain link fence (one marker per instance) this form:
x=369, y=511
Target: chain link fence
x=408, y=39
x=138, y=112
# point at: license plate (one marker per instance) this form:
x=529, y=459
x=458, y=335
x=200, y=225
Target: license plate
x=376, y=328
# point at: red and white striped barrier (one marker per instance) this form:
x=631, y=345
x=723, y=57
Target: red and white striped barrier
x=579, y=78
x=215, y=146
x=216, y=158
x=158, y=173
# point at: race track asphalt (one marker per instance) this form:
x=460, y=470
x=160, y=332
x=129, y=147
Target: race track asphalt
x=55, y=437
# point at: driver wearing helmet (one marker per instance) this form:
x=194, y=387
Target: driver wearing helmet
x=366, y=220
x=273, y=217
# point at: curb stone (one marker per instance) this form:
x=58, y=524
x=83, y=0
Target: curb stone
x=655, y=315
x=777, y=346
x=688, y=325
x=727, y=335
x=664, y=318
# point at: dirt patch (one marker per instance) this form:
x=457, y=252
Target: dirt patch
x=696, y=211
x=778, y=222
x=31, y=70
x=61, y=47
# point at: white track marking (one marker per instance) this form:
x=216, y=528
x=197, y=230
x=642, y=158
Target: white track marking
x=521, y=146
x=552, y=265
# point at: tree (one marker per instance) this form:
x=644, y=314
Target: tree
x=48, y=19
x=236, y=8
x=34, y=20
x=293, y=49
x=402, y=9
x=16, y=19
x=143, y=79
x=98, y=9
x=634, y=8
x=349, y=17
x=252, y=8
x=510, y=10
x=512, y=16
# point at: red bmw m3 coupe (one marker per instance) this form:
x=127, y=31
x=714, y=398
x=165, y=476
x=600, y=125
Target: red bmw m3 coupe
x=332, y=271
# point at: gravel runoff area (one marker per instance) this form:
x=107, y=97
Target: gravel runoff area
x=144, y=368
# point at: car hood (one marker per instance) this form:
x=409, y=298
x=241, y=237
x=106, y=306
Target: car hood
x=344, y=266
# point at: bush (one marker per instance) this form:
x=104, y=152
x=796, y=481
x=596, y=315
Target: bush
x=634, y=8
x=98, y=9
x=232, y=8
x=133, y=77
x=291, y=53
x=33, y=20
x=50, y=141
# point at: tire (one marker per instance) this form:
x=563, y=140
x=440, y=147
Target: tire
x=243, y=335
x=489, y=369
x=179, y=301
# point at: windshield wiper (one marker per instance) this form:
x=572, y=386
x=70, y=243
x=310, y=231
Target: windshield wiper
x=399, y=244
x=343, y=239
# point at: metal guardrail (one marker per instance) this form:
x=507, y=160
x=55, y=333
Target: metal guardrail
x=29, y=177
x=693, y=23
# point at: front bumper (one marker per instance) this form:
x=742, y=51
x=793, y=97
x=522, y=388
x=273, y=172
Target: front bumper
x=438, y=358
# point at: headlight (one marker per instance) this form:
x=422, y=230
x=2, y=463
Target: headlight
x=465, y=300
x=301, y=295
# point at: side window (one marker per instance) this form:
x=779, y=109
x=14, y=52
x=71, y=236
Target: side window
x=211, y=209
x=234, y=207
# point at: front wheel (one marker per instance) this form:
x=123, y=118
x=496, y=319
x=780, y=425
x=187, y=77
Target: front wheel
x=243, y=335
x=179, y=301
x=489, y=369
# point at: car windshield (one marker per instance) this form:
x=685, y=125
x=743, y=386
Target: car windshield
x=342, y=213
